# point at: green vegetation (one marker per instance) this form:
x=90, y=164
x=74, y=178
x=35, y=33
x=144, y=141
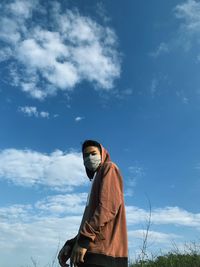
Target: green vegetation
x=171, y=260
x=190, y=257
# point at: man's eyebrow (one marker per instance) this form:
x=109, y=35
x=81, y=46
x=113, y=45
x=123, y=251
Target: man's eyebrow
x=89, y=152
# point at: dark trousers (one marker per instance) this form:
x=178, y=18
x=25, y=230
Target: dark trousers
x=88, y=265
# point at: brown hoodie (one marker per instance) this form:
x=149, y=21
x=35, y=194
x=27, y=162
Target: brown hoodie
x=103, y=228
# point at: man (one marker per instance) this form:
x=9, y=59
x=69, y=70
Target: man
x=102, y=236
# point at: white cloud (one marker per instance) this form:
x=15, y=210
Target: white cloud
x=168, y=215
x=77, y=49
x=39, y=239
x=189, y=12
x=9, y=31
x=63, y=204
x=57, y=206
x=32, y=111
x=44, y=114
x=79, y=119
x=58, y=170
x=21, y=8
x=153, y=236
x=15, y=213
x=38, y=229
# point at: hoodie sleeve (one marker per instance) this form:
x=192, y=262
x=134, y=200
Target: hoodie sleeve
x=110, y=199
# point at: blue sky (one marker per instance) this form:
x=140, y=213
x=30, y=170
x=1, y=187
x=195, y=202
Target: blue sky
x=125, y=74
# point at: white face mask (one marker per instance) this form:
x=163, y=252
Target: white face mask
x=92, y=162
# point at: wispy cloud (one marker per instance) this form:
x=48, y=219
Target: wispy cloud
x=153, y=87
x=59, y=170
x=32, y=111
x=122, y=94
x=162, y=48
x=136, y=172
x=187, y=33
x=182, y=96
x=101, y=11
x=45, y=60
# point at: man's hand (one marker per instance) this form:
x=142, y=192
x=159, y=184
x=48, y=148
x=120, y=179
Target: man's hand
x=64, y=255
x=77, y=256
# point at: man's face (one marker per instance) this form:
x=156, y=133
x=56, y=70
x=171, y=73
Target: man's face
x=91, y=150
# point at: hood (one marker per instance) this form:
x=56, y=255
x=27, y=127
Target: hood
x=105, y=157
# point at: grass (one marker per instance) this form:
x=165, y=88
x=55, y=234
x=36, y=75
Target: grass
x=189, y=257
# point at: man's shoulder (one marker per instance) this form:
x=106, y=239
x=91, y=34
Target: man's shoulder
x=110, y=165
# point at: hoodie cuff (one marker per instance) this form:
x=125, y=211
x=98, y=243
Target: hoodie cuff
x=83, y=241
x=71, y=242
